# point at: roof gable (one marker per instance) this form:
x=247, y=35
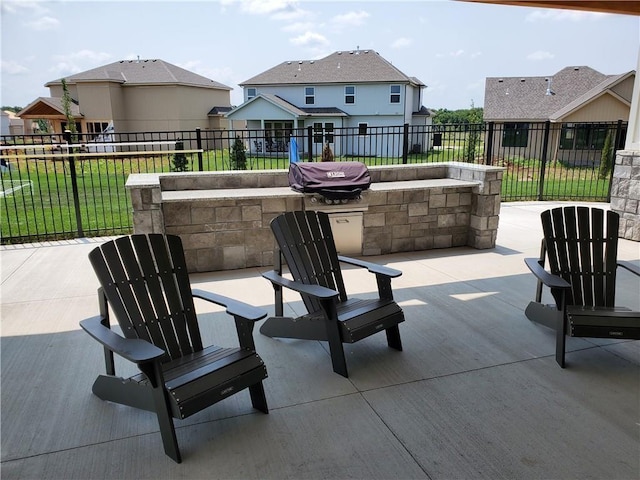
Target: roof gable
x=527, y=98
x=356, y=66
x=46, y=107
x=141, y=72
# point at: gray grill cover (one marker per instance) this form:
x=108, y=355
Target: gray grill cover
x=335, y=180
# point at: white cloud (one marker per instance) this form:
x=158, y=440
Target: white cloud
x=15, y=6
x=402, y=42
x=457, y=53
x=353, y=19
x=310, y=39
x=12, y=68
x=476, y=54
x=78, y=61
x=43, y=23
x=562, y=16
x=540, y=55
x=262, y=7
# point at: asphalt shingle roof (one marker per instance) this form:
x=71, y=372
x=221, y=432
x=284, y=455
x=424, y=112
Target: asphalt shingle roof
x=525, y=98
x=142, y=72
x=355, y=66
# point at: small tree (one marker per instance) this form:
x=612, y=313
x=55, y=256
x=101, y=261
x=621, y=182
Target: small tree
x=327, y=154
x=473, y=139
x=66, y=107
x=238, y=156
x=180, y=162
x=606, y=157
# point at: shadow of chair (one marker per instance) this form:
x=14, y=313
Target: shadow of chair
x=145, y=283
x=581, y=249
x=305, y=240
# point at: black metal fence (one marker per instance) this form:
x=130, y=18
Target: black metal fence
x=57, y=186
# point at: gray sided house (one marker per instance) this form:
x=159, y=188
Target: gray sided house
x=351, y=92
x=581, y=103
x=135, y=96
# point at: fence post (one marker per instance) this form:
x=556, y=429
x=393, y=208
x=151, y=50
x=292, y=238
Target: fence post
x=405, y=143
x=199, y=145
x=74, y=183
x=543, y=165
x=310, y=143
x=488, y=158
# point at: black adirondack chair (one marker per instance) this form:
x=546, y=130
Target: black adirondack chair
x=582, y=250
x=306, y=242
x=145, y=282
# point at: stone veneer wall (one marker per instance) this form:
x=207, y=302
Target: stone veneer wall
x=625, y=193
x=223, y=217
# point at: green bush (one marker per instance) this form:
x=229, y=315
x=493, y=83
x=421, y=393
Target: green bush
x=238, y=155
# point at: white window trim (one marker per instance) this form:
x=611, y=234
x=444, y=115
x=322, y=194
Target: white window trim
x=399, y=94
x=349, y=94
x=310, y=96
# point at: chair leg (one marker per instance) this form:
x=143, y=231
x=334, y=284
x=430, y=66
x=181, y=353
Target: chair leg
x=167, y=428
x=258, y=398
x=561, y=338
x=393, y=337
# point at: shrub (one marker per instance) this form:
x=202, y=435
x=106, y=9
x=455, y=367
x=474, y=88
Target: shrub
x=605, y=159
x=238, y=156
x=179, y=161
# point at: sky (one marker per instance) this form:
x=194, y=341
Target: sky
x=451, y=46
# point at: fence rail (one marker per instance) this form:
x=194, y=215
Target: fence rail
x=67, y=186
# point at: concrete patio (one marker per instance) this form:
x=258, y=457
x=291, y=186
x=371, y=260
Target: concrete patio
x=476, y=393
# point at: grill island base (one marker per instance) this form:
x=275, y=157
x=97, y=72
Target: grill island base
x=223, y=217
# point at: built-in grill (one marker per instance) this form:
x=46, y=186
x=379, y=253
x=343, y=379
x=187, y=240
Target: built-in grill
x=335, y=188
x=333, y=182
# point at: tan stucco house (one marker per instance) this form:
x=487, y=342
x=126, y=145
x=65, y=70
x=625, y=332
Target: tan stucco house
x=135, y=96
x=571, y=100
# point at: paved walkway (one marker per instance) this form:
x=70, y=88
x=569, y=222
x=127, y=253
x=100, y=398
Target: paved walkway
x=476, y=393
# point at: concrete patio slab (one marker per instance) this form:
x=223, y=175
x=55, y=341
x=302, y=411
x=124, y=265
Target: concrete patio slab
x=475, y=393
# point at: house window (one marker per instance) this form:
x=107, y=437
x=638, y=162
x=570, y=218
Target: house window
x=362, y=129
x=515, y=135
x=309, y=95
x=350, y=94
x=317, y=132
x=395, y=94
x=583, y=136
x=328, y=128
x=251, y=92
x=97, y=127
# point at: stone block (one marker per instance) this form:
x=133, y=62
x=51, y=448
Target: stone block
x=251, y=212
x=202, y=215
x=402, y=245
x=228, y=214
x=401, y=231
x=453, y=199
x=270, y=205
x=442, y=241
x=446, y=220
x=177, y=213
x=437, y=201
x=233, y=257
x=420, y=208
x=373, y=220
x=396, y=218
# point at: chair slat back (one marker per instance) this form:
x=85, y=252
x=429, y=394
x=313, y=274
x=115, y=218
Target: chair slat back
x=147, y=285
x=306, y=242
x=582, y=248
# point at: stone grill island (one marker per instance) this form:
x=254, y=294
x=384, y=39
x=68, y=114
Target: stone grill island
x=223, y=217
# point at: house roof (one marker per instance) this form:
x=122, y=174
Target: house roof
x=47, y=107
x=298, y=112
x=355, y=66
x=525, y=98
x=141, y=72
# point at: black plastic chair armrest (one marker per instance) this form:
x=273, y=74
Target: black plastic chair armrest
x=311, y=290
x=135, y=350
x=629, y=266
x=234, y=307
x=372, y=267
x=550, y=280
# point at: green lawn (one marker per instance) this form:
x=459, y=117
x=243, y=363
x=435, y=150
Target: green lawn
x=42, y=207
